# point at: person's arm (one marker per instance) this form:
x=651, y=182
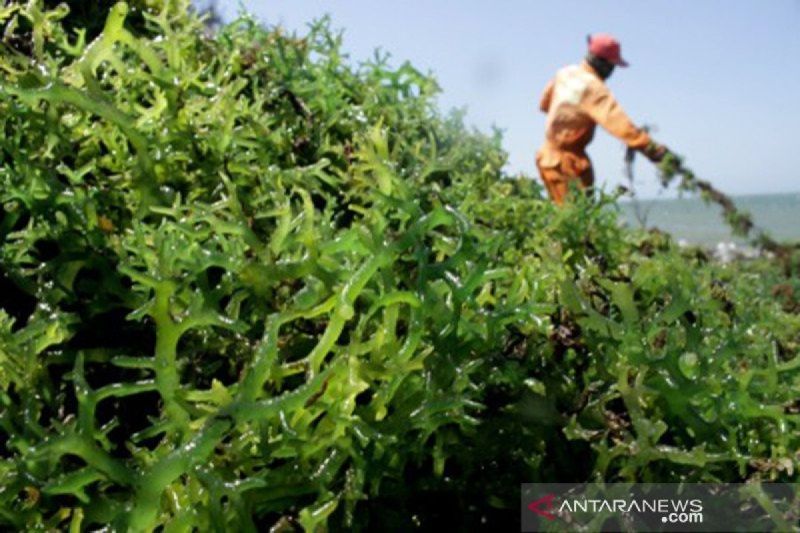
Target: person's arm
x=547, y=97
x=601, y=105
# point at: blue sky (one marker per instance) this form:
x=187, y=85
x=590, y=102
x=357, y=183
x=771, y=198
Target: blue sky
x=719, y=79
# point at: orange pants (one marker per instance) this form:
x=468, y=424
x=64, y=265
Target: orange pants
x=559, y=169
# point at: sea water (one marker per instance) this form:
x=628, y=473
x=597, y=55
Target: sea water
x=692, y=221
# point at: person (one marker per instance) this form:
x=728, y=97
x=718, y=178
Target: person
x=576, y=100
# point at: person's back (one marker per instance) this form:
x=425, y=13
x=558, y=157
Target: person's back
x=575, y=100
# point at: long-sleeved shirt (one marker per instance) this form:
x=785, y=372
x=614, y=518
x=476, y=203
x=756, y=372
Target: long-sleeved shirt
x=575, y=100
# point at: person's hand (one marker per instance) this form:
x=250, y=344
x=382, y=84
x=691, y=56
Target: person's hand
x=655, y=152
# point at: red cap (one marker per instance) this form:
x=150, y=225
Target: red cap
x=607, y=47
